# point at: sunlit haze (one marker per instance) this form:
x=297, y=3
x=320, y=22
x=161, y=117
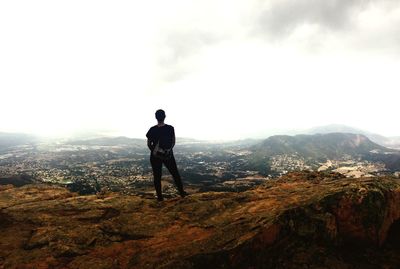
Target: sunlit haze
x=220, y=69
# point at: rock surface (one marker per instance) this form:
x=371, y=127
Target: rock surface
x=302, y=220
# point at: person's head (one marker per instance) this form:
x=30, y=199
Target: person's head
x=160, y=115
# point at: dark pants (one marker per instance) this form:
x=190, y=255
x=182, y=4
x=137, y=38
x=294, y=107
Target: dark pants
x=156, y=165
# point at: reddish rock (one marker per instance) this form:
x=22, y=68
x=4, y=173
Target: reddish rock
x=302, y=220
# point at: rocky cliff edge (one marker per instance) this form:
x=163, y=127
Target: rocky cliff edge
x=302, y=220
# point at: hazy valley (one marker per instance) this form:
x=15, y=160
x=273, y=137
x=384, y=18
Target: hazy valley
x=122, y=164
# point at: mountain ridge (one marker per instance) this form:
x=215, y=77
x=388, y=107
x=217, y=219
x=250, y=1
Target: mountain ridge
x=326, y=146
x=340, y=128
x=279, y=154
x=392, y=142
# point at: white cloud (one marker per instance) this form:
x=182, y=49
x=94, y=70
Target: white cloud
x=221, y=69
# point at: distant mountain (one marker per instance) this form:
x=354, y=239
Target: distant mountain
x=109, y=141
x=336, y=128
x=318, y=146
x=126, y=141
x=304, y=152
x=392, y=142
x=8, y=140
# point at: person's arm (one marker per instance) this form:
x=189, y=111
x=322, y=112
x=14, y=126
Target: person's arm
x=173, y=137
x=149, y=135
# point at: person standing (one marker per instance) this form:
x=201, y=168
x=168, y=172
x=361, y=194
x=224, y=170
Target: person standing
x=160, y=141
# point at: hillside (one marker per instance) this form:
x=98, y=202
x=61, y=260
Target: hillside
x=8, y=140
x=391, y=142
x=318, y=146
x=302, y=220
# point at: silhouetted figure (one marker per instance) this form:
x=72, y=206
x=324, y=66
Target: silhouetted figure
x=161, y=140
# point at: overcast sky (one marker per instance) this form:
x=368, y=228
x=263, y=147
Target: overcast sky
x=220, y=69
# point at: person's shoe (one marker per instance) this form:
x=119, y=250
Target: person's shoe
x=160, y=199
